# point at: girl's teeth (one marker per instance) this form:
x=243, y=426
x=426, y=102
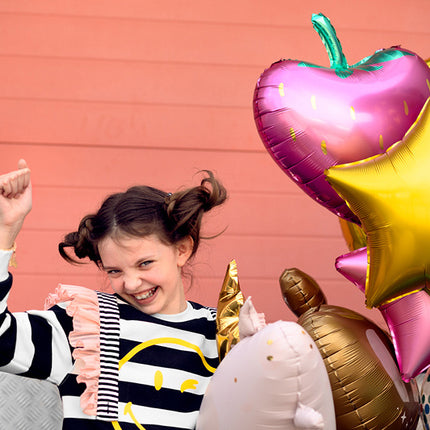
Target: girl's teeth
x=145, y=296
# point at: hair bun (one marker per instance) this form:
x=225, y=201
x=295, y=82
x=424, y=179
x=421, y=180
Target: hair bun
x=80, y=241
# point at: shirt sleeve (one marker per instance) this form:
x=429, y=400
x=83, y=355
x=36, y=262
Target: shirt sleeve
x=5, y=257
x=33, y=343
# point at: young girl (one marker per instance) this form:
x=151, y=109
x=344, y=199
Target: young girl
x=137, y=359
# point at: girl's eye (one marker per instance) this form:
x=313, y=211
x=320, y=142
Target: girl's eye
x=112, y=272
x=145, y=263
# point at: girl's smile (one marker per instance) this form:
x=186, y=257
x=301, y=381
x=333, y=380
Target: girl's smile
x=146, y=272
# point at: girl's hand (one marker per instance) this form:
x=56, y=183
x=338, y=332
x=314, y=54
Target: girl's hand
x=15, y=203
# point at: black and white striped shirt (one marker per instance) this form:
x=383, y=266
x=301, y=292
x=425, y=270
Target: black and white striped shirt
x=154, y=368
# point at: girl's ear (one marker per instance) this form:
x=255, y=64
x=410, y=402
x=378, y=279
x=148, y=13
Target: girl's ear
x=185, y=249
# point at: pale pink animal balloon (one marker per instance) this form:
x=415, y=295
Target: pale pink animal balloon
x=273, y=379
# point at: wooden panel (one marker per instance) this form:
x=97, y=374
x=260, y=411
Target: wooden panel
x=184, y=42
x=191, y=42
x=107, y=81
x=129, y=125
x=116, y=168
x=367, y=14
x=133, y=40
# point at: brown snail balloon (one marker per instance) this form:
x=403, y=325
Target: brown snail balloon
x=367, y=388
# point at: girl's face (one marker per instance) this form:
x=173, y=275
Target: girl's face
x=145, y=272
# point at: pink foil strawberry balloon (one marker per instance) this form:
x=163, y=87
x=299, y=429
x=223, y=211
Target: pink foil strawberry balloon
x=311, y=117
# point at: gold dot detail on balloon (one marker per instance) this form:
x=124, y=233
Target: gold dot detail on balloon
x=406, y=107
x=235, y=380
x=324, y=147
x=381, y=142
x=281, y=89
x=269, y=357
x=292, y=134
x=269, y=342
x=352, y=112
x=314, y=102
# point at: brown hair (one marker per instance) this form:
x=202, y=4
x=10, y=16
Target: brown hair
x=141, y=211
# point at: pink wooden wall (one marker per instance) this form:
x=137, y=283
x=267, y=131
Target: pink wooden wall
x=99, y=95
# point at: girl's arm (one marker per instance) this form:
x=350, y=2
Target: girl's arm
x=32, y=343
x=15, y=203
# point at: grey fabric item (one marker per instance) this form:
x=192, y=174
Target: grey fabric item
x=29, y=404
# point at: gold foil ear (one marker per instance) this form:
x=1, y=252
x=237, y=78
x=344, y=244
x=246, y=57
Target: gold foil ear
x=229, y=304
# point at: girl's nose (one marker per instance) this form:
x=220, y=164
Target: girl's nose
x=132, y=282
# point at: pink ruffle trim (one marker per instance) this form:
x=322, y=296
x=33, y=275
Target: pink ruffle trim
x=83, y=307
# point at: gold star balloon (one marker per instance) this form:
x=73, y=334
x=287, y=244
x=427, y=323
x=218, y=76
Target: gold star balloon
x=390, y=194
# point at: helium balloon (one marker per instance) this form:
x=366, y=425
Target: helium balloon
x=300, y=291
x=273, y=379
x=353, y=234
x=389, y=194
x=353, y=266
x=408, y=318
x=367, y=388
x=311, y=117
x=229, y=304
x=405, y=317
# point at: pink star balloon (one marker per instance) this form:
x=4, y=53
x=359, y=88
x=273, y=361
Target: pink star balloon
x=353, y=266
x=407, y=317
